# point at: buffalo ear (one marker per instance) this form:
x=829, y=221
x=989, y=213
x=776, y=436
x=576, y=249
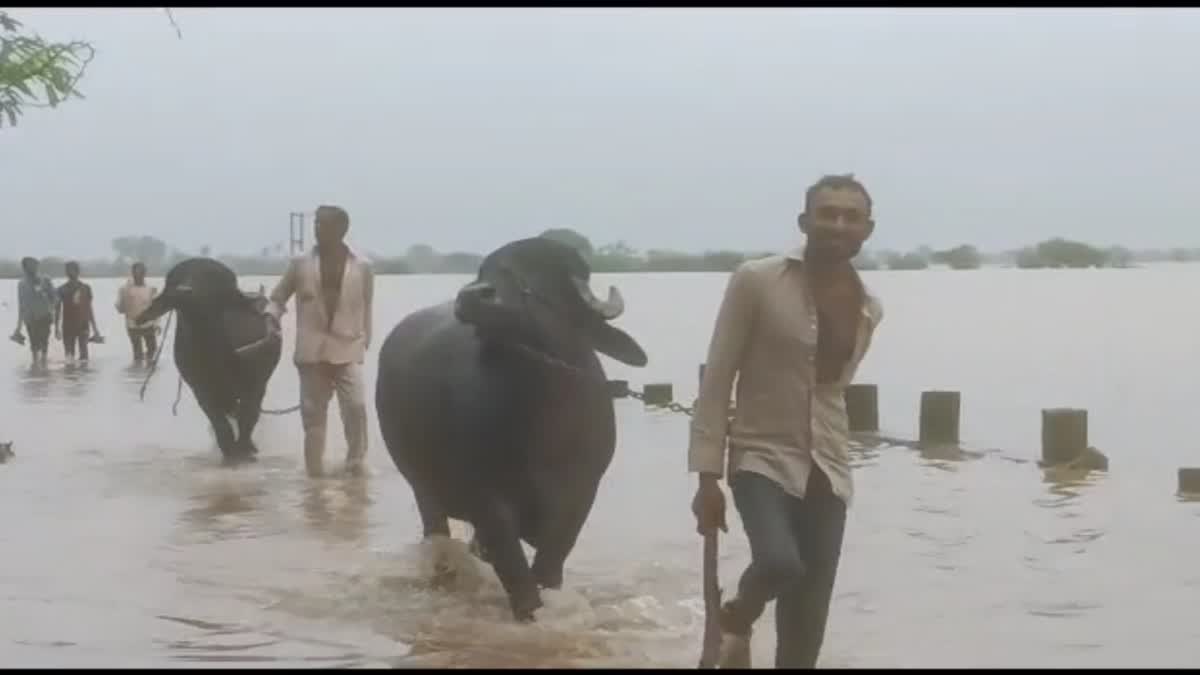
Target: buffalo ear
x=612, y=341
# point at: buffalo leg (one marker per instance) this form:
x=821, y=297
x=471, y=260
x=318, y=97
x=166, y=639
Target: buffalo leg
x=249, y=410
x=221, y=427
x=435, y=525
x=557, y=540
x=499, y=534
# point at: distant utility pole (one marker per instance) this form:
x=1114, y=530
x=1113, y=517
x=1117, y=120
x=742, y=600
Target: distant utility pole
x=296, y=233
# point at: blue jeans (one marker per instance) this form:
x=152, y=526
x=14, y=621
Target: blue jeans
x=795, y=546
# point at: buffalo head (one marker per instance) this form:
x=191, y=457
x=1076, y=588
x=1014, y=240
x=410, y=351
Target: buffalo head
x=535, y=292
x=194, y=283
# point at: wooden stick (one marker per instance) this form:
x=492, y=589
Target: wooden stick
x=712, y=604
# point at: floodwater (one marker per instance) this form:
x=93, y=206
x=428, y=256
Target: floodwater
x=126, y=544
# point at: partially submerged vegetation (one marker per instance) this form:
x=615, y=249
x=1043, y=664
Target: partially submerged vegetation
x=613, y=258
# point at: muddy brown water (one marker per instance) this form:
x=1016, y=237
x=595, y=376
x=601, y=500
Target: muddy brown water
x=126, y=544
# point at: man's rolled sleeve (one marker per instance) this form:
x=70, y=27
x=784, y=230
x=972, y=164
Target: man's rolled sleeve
x=710, y=422
x=283, y=291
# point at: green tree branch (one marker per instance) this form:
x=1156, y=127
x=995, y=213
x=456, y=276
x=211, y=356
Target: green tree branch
x=38, y=73
x=35, y=72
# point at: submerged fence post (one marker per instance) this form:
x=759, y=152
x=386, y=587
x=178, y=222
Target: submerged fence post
x=1189, y=480
x=862, y=407
x=618, y=388
x=939, y=417
x=1064, y=434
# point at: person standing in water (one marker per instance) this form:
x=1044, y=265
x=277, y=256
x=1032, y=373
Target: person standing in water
x=75, y=315
x=133, y=299
x=36, y=305
x=334, y=291
x=792, y=329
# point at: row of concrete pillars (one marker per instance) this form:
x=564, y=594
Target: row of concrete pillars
x=1064, y=430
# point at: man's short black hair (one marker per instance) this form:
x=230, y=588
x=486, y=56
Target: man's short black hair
x=334, y=215
x=27, y=261
x=72, y=265
x=845, y=181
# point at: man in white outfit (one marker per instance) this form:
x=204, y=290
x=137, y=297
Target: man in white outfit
x=132, y=299
x=334, y=291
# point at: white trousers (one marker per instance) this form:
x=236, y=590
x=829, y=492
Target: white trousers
x=318, y=381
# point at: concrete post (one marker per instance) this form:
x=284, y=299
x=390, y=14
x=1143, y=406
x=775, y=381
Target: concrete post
x=1189, y=480
x=1064, y=435
x=862, y=407
x=939, y=417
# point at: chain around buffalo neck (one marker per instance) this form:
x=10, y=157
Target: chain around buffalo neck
x=558, y=363
x=552, y=361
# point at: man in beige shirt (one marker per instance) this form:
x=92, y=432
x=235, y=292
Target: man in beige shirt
x=132, y=299
x=792, y=329
x=334, y=292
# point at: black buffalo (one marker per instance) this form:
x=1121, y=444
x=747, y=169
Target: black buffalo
x=225, y=349
x=496, y=410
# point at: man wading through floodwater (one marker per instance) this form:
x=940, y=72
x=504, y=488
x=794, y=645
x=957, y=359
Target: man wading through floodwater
x=132, y=299
x=334, y=291
x=36, y=302
x=793, y=329
x=74, y=315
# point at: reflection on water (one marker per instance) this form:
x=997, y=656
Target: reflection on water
x=337, y=507
x=134, y=547
x=33, y=382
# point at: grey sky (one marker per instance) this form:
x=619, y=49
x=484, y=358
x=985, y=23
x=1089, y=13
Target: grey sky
x=690, y=129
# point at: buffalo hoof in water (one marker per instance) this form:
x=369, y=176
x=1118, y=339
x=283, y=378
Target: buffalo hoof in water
x=478, y=550
x=523, y=610
x=238, y=459
x=444, y=576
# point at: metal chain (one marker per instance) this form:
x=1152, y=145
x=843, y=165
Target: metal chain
x=672, y=406
x=563, y=365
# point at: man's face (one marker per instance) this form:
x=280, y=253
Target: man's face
x=139, y=273
x=31, y=268
x=72, y=272
x=837, y=221
x=327, y=234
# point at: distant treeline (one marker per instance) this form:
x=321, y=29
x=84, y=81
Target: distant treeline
x=613, y=258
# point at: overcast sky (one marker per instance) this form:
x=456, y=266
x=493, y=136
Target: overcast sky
x=672, y=128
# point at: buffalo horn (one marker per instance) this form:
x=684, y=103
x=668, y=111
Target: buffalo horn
x=609, y=309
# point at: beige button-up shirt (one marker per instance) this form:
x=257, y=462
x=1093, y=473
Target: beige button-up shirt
x=766, y=336
x=132, y=300
x=342, y=338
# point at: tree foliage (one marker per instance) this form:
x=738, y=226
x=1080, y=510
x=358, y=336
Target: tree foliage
x=1059, y=252
x=907, y=261
x=965, y=257
x=36, y=72
x=150, y=251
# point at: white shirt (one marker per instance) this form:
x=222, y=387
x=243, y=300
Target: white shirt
x=132, y=300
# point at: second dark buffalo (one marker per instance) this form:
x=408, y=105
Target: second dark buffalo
x=496, y=410
x=225, y=348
